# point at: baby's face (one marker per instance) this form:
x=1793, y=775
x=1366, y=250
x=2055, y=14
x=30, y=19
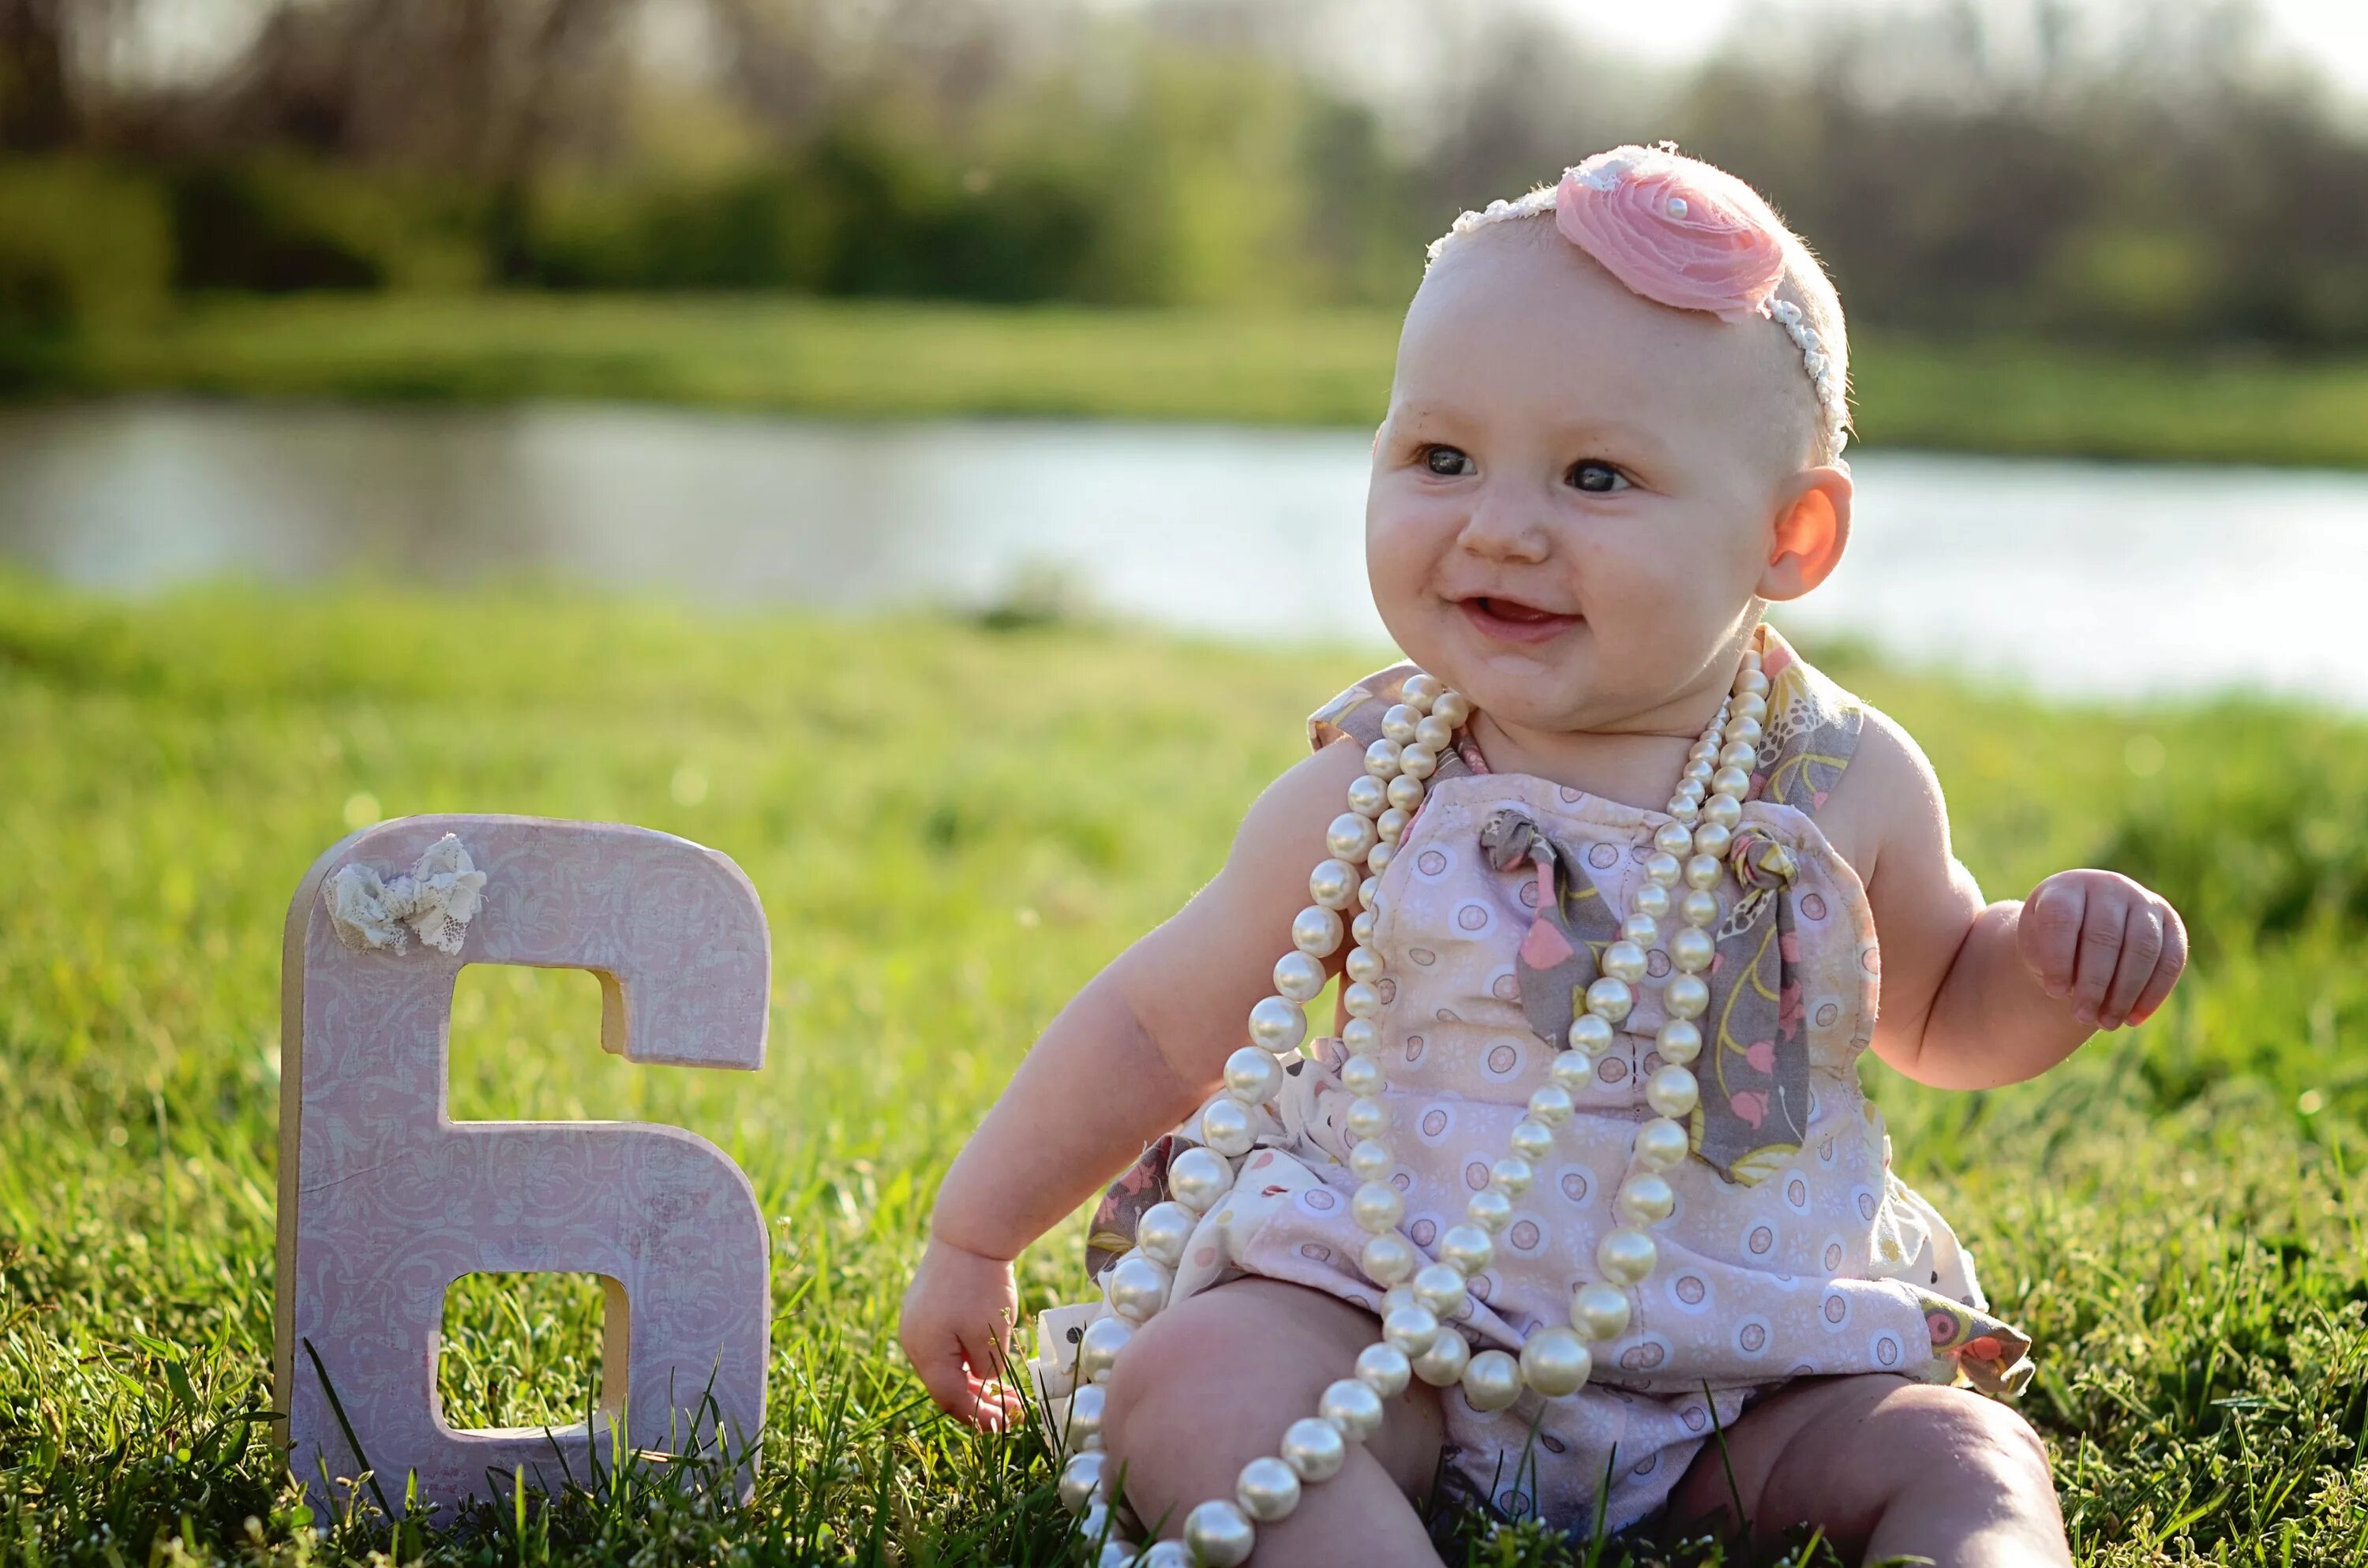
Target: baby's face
x=1574, y=496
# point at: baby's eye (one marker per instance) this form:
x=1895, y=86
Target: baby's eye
x=1597, y=477
x=1446, y=461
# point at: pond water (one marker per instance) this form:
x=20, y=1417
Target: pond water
x=2074, y=576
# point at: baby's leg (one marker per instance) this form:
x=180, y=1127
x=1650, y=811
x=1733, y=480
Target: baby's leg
x=1889, y=1468
x=1211, y=1383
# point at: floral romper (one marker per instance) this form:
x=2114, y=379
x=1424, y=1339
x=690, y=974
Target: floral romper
x=1793, y=1249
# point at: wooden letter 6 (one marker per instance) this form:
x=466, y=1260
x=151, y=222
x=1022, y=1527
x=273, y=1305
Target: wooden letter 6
x=385, y=1200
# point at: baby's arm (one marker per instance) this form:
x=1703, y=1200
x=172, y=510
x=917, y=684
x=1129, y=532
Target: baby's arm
x=1134, y=1053
x=1976, y=996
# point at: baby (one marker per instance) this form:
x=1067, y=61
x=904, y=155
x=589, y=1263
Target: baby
x=1604, y=874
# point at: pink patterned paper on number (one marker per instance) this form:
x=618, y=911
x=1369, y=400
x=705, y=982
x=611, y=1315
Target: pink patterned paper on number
x=385, y=1200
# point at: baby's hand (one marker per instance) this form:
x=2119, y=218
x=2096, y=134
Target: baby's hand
x=2108, y=946
x=956, y=1328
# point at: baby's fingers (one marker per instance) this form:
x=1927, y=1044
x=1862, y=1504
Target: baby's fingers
x=2049, y=934
x=2104, y=936
x=2166, y=969
x=2142, y=946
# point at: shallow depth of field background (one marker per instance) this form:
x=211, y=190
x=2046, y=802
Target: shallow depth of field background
x=817, y=428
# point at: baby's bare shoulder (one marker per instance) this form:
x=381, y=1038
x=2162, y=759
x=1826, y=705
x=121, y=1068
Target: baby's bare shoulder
x=1888, y=800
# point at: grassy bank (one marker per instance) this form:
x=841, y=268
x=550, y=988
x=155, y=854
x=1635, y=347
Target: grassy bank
x=946, y=825
x=900, y=360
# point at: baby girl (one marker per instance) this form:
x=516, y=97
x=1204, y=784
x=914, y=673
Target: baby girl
x=1582, y=1215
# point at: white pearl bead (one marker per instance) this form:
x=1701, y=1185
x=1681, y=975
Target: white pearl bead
x=1410, y=1329
x=1421, y=692
x=1418, y=762
x=1198, y=1178
x=1333, y=883
x=1647, y=1200
x=1350, y=836
x=1361, y=1000
x=1730, y=781
x=1653, y=901
x=1300, y=975
x=1511, y=1175
x=1554, y=1361
x=1355, y=1409
x=1532, y=1140
x=1685, y=808
x=1367, y=890
x=1684, y=996
x=1693, y=790
x=1396, y=1296
x=1227, y=1126
x=1361, y=930
x=1278, y=1025
x=1678, y=1041
x=1382, y=758
x=1388, y=1259
x=1378, y=859
x=1752, y=705
x=1698, y=907
x=1626, y=1254
x=1372, y=1161
x=1219, y=1535
x=1713, y=840
x=1489, y=1210
x=1662, y=1143
x=1364, y=964
x=1434, y=735
x=1444, y=1362
x=1378, y=1207
x=1384, y=1369
x=1360, y=1037
x=1252, y=1075
x=1137, y=1288
x=1672, y=1092
x=1405, y=793
x=1551, y=1105
x=1466, y=1249
x=1752, y=683
x=1492, y=1380
x=1724, y=810
x=1740, y=755
x=1599, y=1311
x=1624, y=962
x=1641, y=929
x=1609, y=999
x=1703, y=872
x=1662, y=870
x=1095, y=1524
x=1745, y=729
x=1081, y=1479
x=1267, y=1489
x=1391, y=824
x=1368, y=796
x=1453, y=707
x=1313, y=1447
x=1699, y=771
x=1315, y=931
x=1438, y=1287
x=1085, y=1413
x=1119, y=1554
x=1099, y=1347
x=1572, y=1071
x=1362, y=1076
x=1163, y=1233
x=1672, y=838
x=1691, y=949
x=1367, y=1117
x=1591, y=1035
x=1398, y=723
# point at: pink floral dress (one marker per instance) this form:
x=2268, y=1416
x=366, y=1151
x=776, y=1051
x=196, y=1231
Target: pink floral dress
x=1793, y=1250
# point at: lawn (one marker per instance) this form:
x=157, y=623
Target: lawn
x=855, y=360
x=946, y=822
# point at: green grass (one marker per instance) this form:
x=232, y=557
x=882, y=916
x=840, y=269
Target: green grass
x=857, y=360
x=946, y=824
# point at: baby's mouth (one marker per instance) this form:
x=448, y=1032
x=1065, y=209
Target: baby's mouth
x=1510, y=621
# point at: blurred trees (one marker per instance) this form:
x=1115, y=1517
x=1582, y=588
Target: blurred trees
x=2130, y=170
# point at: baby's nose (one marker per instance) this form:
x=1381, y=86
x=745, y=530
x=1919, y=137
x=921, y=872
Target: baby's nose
x=1502, y=529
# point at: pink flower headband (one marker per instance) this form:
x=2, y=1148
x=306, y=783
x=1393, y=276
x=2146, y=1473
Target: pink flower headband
x=1681, y=233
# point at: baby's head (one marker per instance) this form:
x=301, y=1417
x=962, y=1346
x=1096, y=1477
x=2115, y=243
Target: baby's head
x=1614, y=434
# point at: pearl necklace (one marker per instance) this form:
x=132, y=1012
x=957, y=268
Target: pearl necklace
x=1415, y=1340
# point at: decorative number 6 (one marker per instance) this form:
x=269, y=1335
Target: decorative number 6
x=385, y=1200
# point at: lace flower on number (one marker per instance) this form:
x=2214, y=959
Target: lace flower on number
x=436, y=899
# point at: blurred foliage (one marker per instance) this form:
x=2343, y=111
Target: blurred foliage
x=2176, y=1212
x=2155, y=175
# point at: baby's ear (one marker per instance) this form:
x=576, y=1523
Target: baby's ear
x=1811, y=529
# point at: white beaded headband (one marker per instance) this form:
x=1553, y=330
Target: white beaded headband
x=1682, y=233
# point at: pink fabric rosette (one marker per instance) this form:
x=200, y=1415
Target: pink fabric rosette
x=1675, y=230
